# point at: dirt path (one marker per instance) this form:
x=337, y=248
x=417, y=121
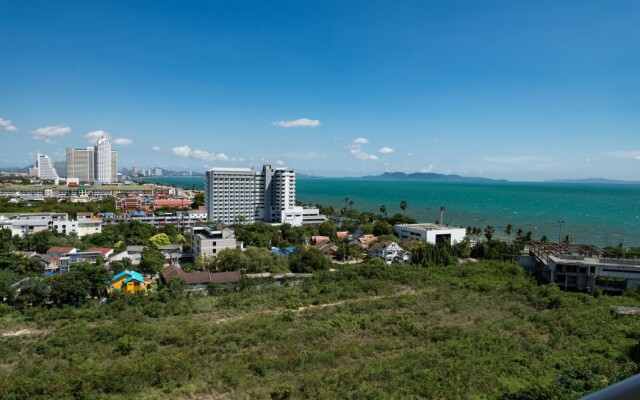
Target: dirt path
x=299, y=310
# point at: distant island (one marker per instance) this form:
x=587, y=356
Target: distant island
x=428, y=176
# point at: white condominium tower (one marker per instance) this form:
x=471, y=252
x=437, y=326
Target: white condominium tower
x=103, y=160
x=45, y=168
x=236, y=195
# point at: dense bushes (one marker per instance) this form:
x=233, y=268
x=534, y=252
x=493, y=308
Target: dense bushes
x=485, y=330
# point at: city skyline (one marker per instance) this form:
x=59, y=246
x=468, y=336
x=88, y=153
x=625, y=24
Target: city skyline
x=498, y=90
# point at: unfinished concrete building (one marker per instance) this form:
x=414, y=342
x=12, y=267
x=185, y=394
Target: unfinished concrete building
x=575, y=267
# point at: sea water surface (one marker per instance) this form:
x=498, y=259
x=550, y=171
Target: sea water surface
x=599, y=214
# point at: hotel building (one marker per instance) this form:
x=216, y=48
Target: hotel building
x=243, y=195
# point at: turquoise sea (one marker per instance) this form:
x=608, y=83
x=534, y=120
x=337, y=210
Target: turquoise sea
x=600, y=214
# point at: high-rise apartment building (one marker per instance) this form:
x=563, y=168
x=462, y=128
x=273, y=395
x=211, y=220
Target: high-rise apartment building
x=102, y=158
x=235, y=195
x=81, y=164
x=45, y=168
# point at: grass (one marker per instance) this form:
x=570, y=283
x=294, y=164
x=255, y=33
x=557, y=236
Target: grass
x=475, y=331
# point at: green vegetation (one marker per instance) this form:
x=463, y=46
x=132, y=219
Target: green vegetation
x=53, y=205
x=477, y=331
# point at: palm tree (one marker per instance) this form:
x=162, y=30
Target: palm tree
x=489, y=231
x=351, y=204
x=346, y=199
x=383, y=210
x=476, y=231
x=508, y=229
x=403, y=206
x=544, y=239
x=567, y=239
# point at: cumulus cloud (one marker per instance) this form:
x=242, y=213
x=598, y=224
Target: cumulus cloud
x=6, y=125
x=156, y=148
x=122, y=141
x=92, y=136
x=49, y=132
x=280, y=162
x=301, y=122
x=186, y=151
x=358, y=153
x=360, y=140
x=428, y=168
x=633, y=154
x=386, y=150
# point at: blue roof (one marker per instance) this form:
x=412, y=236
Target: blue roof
x=133, y=275
x=289, y=250
x=278, y=251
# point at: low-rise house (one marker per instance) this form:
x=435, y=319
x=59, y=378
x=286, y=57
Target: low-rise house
x=171, y=251
x=61, y=251
x=327, y=247
x=135, y=249
x=390, y=252
x=200, y=279
x=128, y=282
x=104, y=251
x=67, y=260
x=365, y=240
x=206, y=241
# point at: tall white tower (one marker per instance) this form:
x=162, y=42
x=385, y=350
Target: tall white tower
x=103, y=159
x=45, y=168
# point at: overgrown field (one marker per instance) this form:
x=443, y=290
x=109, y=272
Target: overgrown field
x=476, y=331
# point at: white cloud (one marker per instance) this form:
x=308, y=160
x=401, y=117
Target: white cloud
x=156, y=148
x=280, y=162
x=634, y=154
x=428, y=168
x=386, y=150
x=49, y=132
x=6, y=125
x=122, y=141
x=185, y=151
x=302, y=122
x=361, y=155
x=360, y=140
x=91, y=137
x=513, y=160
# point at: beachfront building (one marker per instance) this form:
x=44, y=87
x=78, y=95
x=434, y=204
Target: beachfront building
x=206, y=241
x=243, y=195
x=575, y=267
x=103, y=160
x=98, y=163
x=430, y=233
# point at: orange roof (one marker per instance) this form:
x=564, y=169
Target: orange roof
x=342, y=235
x=171, y=203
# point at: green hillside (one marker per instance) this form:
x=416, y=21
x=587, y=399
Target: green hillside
x=484, y=330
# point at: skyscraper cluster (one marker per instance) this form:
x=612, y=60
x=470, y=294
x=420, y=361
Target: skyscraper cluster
x=97, y=163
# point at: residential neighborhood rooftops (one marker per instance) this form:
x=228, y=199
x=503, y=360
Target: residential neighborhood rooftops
x=102, y=250
x=201, y=277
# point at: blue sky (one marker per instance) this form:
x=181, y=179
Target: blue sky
x=502, y=89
